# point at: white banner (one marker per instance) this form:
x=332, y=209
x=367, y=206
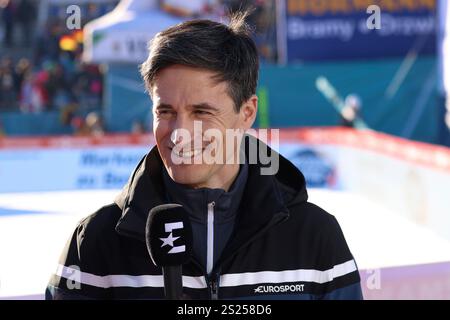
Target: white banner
x=67, y=169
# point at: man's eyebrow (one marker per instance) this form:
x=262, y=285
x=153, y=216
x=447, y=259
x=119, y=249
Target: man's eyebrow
x=163, y=106
x=204, y=106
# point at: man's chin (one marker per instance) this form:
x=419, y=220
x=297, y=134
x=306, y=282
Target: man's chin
x=186, y=176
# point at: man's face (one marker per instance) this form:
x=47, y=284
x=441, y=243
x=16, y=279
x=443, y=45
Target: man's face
x=183, y=97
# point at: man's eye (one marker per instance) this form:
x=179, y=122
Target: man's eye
x=163, y=112
x=201, y=112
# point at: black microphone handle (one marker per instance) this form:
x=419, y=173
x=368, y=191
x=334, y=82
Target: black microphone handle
x=173, y=282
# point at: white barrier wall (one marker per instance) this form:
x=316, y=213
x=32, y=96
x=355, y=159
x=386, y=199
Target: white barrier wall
x=67, y=169
x=410, y=178
x=52, y=164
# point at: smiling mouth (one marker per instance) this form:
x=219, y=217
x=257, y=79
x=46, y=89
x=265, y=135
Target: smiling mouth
x=187, y=154
x=182, y=153
x=186, y=151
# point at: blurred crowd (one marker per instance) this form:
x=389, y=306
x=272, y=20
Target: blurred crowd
x=41, y=68
x=49, y=85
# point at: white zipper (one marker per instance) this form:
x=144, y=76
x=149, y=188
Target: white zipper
x=210, y=240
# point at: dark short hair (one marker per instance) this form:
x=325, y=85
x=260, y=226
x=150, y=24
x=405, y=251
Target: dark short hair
x=227, y=50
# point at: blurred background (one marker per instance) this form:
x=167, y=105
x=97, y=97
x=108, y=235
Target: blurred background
x=362, y=101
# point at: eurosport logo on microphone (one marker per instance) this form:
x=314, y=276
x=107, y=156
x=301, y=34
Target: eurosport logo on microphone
x=169, y=227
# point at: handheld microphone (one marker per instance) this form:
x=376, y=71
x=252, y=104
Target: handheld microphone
x=168, y=236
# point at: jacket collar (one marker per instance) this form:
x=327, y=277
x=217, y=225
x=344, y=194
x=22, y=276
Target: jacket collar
x=264, y=197
x=195, y=201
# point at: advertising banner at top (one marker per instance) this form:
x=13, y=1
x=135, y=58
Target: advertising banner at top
x=314, y=30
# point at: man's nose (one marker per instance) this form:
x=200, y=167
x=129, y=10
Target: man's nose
x=177, y=136
x=182, y=129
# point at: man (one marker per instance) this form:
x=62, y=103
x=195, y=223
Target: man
x=254, y=234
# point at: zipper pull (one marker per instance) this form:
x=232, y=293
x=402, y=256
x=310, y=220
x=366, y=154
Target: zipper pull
x=214, y=287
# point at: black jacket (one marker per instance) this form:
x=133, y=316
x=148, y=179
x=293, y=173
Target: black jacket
x=282, y=246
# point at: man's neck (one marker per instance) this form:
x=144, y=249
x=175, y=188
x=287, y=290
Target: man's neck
x=223, y=180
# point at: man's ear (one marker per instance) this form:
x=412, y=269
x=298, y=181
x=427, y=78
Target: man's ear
x=248, y=111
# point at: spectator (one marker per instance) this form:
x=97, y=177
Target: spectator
x=54, y=83
x=94, y=124
x=26, y=94
x=33, y=97
x=26, y=13
x=7, y=92
x=23, y=68
x=8, y=17
x=40, y=98
x=95, y=87
x=67, y=61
